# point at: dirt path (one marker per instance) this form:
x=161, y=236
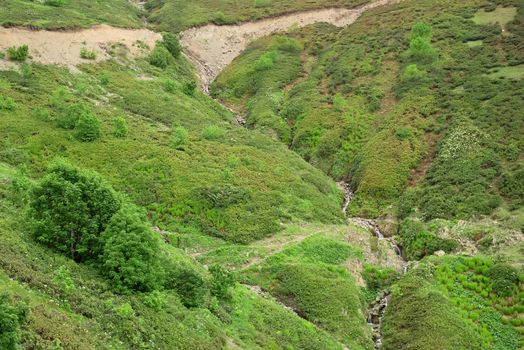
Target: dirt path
x=63, y=48
x=211, y=48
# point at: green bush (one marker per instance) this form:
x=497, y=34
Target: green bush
x=11, y=318
x=505, y=278
x=213, y=132
x=172, y=44
x=190, y=286
x=62, y=277
x=69, y=118
x=87, y=54
x=87, y=128
x=69, y=208
x=7, y=103
x=179, y=138
x=120, y=127
x=169, y=86
x=18, y=53
x=219, y=17
x=222, y=281
x=266, y=61
x=131, y=253
x=160, y=57
x=189, y=88
x=55, y=3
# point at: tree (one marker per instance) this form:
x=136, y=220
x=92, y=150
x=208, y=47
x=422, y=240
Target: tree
x=160, y=57
x=11, y=317
x=172, y=44
x=69, y=208
x=131, y=252
x=221, y=282
x=88, y=128
x=120, y=127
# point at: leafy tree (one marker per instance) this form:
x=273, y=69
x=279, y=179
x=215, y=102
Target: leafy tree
x=130, y=255
x=172, y=44
x=221, y=282
x=420, y=49
x=120, y=127
x=70, y=208
x=11, y=317
x=160, y=57
x=88, y=128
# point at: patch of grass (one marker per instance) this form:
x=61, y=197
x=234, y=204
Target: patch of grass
x=509, y=72
x=500, y=15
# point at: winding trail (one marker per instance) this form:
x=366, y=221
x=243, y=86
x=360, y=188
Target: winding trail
x=212, y=48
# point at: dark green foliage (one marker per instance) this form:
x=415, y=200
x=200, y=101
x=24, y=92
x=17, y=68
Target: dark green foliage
x=189, y=284
x=511, y=185
x=11, y=318
x=69, y=118
x=120, y=127
x=130, y=255
x=55, y=3
x=70, y=208
x=160, y=57
x=18, y=53
x=417, y=241
x=87, y=128
x=171, y=43
x=189, y=88
x=378, y=278
x=505, y=278
x=221, y=282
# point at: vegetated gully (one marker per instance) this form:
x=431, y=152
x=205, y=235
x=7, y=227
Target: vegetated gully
x=212, y=48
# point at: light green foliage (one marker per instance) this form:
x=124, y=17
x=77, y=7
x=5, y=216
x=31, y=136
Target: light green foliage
x=171, y=43
x=69, y=209
x=12, y=316
x=500, y=15
x=18, y=53
x=213, y=132
x=7, y=103
x=87, y=54
x=120, y=129
x=87, y=128
x=169, y=86
x=130, y=255
x=160, y=57
x=266, y=61
x=62, y=277
x=179, y=138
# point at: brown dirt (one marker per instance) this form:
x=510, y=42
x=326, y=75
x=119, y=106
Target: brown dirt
x=211, y=48
x=63, y=47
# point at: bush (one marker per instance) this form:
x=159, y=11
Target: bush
x=172, y=44
x=421, y=30
x=70, y=117
x=169, y=86
x=189, y=88
x=7, y=103
x=69, y=208
x=179, y=138
x=421, y=50
x=120, y=127
x=87, y=54
x=160, y=57
x=11, y=318
x=130, y=254
x=18, y=53
x=266, y=61
x=190, y=286
x=504, y=277
x=63, y=279
x=55, y=3
x=87, y=128
x=221, y=282
x=220, y=18
x=213, y=132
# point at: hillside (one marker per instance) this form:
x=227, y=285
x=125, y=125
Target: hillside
x=244, y=175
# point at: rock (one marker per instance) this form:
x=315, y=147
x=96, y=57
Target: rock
x=439, y=253
x=388, y=226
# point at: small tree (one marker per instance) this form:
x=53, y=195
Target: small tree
x=11, y=317
x=87, y=128
x=172, y=44
x=120, y=127
x=69, y=209
x=160, y=57
x=130, y=256
x=221, y=282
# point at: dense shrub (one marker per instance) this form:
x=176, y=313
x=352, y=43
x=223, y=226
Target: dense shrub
x=504, y=277
x=172, y=44
x=221, y=282
x=160, y=57
x=213, y=132
x=18, y=53
x=189, y=88
x=87, y=128
x=189, y=284
x=418, y=242
x=70, y=208
x=11, y=318
x=120, y=127
x=266, y=61
x=377, y=278
x=179, y=138
x=131, y=252
x=72, y=113
x=55, y=3
x=169, y=86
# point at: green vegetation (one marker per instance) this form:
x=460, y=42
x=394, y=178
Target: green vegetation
x=500, y=15
x=63, y=14
x=177, y=15
x=18, y=53
x=87, y=54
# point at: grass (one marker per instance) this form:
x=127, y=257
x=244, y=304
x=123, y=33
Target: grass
x=511, y=72
x=71, y=14
x=177, y=15
x=500, y=15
